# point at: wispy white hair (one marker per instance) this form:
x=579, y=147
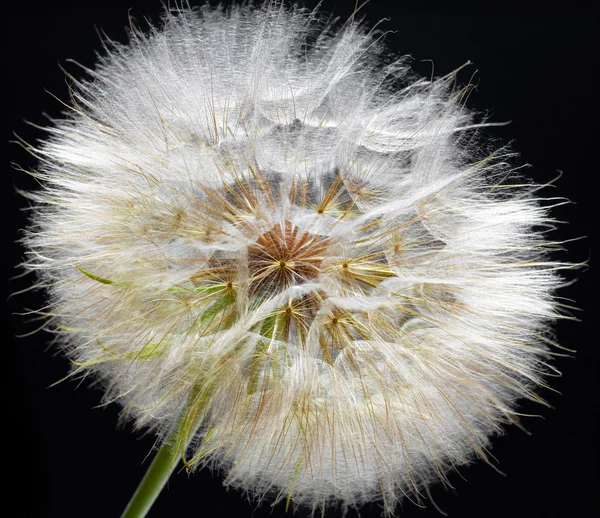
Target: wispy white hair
x=271, y=241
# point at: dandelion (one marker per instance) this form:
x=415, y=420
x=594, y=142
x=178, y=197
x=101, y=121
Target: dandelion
x=290, y=258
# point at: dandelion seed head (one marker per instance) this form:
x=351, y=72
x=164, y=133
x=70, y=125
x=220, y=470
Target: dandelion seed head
x=248, y=231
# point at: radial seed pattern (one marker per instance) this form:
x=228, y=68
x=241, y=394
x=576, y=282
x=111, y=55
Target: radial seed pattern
x=254, y=237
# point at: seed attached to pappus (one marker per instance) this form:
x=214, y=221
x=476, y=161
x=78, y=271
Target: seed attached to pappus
x=286, y=265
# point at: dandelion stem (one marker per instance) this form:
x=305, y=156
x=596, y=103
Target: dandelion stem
x=154, y=480
x=168, y=455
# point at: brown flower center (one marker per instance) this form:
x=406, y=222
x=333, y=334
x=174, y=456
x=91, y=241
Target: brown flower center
x=282, y=257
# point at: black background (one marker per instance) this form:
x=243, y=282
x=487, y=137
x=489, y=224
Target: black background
x=535, y=67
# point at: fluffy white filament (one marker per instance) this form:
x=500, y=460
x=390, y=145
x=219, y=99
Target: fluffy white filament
x=261, y=236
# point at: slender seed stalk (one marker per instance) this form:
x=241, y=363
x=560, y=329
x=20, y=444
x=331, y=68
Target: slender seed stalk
x=167, y=457
x=154, y=480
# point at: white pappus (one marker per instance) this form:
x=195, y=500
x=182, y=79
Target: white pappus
x=283, y=251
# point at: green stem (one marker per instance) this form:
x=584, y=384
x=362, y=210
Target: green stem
x=169, y=454
x=154, y=480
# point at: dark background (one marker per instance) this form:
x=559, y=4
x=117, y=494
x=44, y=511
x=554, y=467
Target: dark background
x=535, y=67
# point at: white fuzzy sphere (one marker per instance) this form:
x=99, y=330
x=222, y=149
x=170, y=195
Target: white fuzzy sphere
x=258, y=235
